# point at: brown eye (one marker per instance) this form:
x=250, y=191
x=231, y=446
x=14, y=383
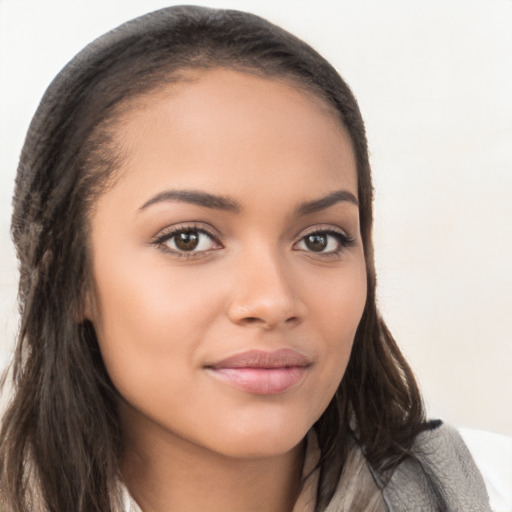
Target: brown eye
x=316, y=242
x=187, y=241
x=324, y=242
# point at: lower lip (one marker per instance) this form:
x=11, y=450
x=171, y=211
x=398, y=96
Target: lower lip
x=261, y=381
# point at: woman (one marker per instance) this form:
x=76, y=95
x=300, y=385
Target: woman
x=192, y=216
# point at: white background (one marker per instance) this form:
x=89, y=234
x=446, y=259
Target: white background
x=434, y=82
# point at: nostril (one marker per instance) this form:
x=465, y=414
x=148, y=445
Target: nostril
x=251, y=320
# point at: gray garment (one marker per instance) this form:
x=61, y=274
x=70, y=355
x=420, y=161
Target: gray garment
x=444, y=459
x=441, y=476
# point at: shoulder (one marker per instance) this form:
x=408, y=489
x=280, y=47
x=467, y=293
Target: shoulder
x=439, y=475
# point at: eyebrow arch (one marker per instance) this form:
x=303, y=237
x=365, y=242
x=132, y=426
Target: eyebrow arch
x=323, y=203
x=195, y=197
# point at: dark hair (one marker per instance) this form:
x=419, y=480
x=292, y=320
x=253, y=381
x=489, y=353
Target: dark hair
x=50, y=451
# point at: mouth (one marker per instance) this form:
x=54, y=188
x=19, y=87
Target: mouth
x=260, y=372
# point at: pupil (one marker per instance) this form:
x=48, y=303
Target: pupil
x=316, y=243
x=187, y=241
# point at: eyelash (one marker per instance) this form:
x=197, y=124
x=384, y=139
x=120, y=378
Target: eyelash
x=168, y=235
x=343, y=239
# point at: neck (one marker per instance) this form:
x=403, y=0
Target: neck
x=166, y=473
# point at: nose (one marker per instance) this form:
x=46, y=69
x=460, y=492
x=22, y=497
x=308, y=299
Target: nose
x=265, y=294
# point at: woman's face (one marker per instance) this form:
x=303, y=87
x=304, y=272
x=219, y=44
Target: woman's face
x=228, y=267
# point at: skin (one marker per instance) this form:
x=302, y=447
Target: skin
x=193, y=441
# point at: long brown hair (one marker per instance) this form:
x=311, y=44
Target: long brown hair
x=61, y=436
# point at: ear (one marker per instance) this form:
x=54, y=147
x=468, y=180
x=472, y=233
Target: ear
x=87, y=309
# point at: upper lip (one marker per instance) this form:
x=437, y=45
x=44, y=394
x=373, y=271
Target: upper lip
x=282, y=358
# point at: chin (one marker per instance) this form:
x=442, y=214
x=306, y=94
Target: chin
x=260, y=448
x=262, y=439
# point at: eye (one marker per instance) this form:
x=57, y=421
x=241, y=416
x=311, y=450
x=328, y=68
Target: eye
x=325, y=242
x=187, y=241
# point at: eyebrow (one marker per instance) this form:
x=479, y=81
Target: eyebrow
x=195, y=197
x=227, y=204
x=323, y=203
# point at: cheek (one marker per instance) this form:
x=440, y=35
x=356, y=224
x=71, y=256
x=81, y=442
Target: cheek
x=344, y=310
x=336, y=305
x=150, y=320
x=142, y=294
x=337, y=302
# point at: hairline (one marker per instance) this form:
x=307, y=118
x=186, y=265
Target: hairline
x=161, y=81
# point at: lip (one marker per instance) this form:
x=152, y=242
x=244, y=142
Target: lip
x=261, y=372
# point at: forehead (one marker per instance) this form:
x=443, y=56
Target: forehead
x=219, y=128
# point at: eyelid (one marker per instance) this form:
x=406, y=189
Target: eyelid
x=169, y=232
x=325, y=228
x=345, y=239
